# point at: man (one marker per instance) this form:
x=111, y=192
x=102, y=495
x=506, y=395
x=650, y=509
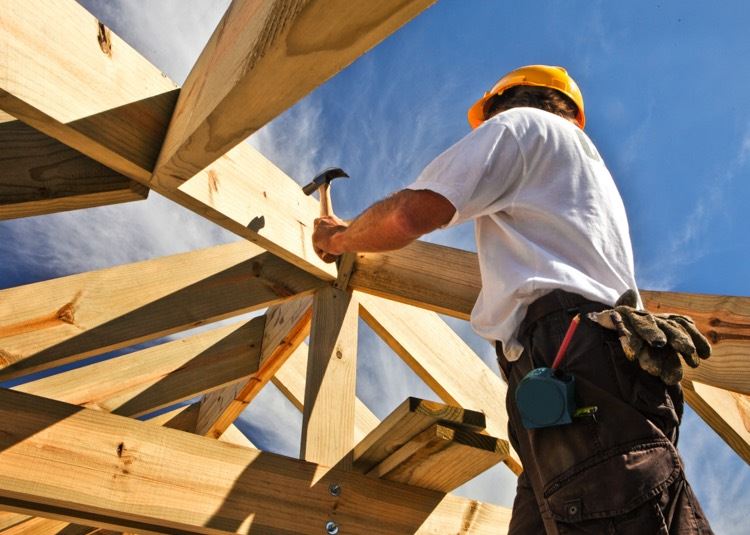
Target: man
x=553, y=242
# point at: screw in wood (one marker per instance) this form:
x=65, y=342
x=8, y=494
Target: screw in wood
x=334, y=489
x=332, y=528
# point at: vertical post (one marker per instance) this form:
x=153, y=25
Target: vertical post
x=328, y=416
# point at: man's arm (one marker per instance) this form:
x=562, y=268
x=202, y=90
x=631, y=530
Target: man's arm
x=387, y=225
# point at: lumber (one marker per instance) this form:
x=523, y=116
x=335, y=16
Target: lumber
x=328, y=412
x=262, y=58
x=285, y=327
x=727, y=413
x=40, y=175
x=134, y=476
x=447, y=281
x=90, y=91
x=37, y=526
x=410, y=418
x=442, y=458
x=290, y=380
x=442, y=360
x=435, y=277
x=144, y=381
x=53, y=322
x=8, y=519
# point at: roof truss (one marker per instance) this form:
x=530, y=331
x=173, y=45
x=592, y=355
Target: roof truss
x=113, y=135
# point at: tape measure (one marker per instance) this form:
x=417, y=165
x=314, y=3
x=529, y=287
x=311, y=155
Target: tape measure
x=545, y=397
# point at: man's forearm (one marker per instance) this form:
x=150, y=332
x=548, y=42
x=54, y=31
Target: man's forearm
x=395, y=222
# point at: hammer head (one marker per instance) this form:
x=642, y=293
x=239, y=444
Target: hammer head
x=324, y=178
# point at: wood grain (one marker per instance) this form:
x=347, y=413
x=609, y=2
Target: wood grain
x=40, y=175
x=409, y=419
x=263, y=57
x=442, y=458
x=286, y=326
x=61, y=320
x=290, y=380
x=328, y=412
x=138, y=477
x=160, y=376
x=728, y=413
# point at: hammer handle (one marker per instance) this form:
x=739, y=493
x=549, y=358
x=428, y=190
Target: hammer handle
x=325, y=200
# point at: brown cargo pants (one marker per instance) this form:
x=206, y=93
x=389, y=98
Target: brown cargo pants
x=616, y=471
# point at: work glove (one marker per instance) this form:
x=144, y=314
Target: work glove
x=655, y=341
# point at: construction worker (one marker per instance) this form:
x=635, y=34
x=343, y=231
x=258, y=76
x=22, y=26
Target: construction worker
x=553, y=244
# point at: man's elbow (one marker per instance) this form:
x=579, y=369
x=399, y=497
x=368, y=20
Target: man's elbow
x=422, y=212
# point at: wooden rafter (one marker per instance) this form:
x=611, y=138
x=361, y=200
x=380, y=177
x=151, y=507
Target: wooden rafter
x=160, y=376
x=285, y=327
x=262, y=58
x=40, y=175
x=57, y=321
x=202, y=485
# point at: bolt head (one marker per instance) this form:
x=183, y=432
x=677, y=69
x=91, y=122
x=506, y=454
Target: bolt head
x=334, y=489
x=332, y=528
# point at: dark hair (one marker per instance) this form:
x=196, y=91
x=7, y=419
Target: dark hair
x=544, y=98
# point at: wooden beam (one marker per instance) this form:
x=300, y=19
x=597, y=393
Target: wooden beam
x=409, y=419
x=285, y=327
x=133, y=476
x=8, y=519
x=442, y=458
x=447, y=280
x=40, y=175
x=91, y=90
x=328, y=413
x=728, y=413
x=160, y=376
x=262, y=58
x=435, y=277
x=37, y=526
x=442, y=360
x=61, y=320
x=290, y=380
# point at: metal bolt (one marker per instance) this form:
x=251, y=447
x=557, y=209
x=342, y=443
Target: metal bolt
x=332, y=528
x=334, y=489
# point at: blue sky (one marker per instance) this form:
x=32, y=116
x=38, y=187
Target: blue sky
x=664, y=86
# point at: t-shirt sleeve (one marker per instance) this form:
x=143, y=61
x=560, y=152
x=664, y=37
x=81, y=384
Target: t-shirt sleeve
x=476, y=174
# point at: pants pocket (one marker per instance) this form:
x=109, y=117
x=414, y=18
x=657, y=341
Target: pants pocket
x=613, y=483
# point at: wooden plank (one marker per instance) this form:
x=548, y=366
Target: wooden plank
x=442, y=458
x=61, y=320
x=37, y=526
x=8, y=519
x=160, y=376
x=728, y=413
x=286, y=326
x=409, y=419
x=40, y=175
x=442, y=360
x=134, y=476
x=263, y=57
x=447, y=280
x=106, y=101
x=290, y=380
x=435, y=277
x=725, y=321
x=328, y=413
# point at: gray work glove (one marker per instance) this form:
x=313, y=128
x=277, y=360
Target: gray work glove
x=655, y=341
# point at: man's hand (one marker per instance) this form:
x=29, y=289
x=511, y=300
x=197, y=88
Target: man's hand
x=324, y=241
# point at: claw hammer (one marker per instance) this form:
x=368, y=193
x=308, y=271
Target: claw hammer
x=322, y=183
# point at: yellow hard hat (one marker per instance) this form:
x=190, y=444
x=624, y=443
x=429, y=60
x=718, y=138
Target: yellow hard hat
x=536, y=75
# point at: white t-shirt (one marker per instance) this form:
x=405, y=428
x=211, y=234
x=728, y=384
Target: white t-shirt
x=547, y=215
